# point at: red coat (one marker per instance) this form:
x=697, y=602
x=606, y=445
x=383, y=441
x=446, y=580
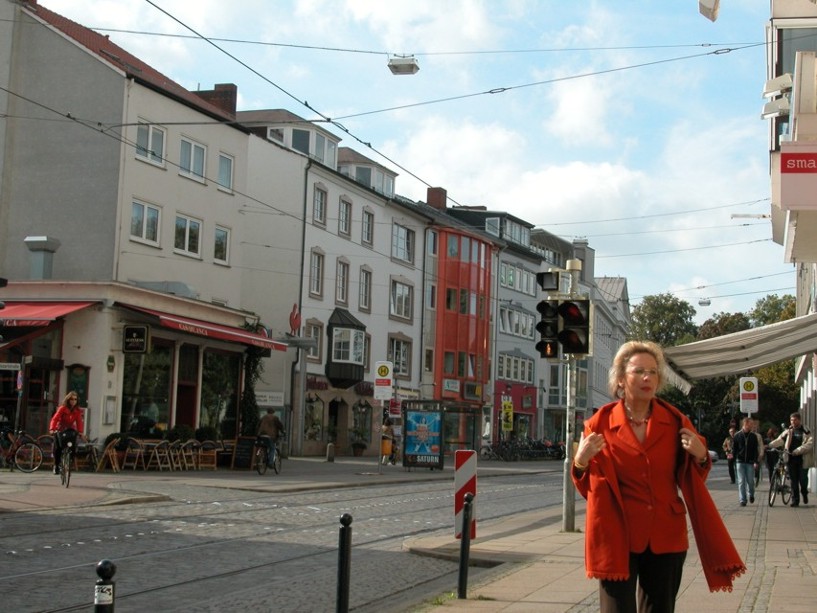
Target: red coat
x=633, y=501
x=66, y=418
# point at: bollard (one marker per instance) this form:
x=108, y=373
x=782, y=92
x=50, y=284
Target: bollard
x=344, y=563
x=104, y=590
x=465, y=546
x=330, y=452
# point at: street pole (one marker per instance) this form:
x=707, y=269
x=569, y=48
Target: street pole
x=568, y=491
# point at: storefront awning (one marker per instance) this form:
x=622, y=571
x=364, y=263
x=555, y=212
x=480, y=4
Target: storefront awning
x=211, y=330
x=744, y=351
x=20, y=314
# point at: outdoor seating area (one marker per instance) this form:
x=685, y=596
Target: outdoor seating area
x=163, y=455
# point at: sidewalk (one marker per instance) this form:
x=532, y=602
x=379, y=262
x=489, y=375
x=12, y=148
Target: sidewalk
x=536, y=567
x=543, y=567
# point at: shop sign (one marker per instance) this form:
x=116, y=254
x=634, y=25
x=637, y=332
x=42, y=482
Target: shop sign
x=135, y=339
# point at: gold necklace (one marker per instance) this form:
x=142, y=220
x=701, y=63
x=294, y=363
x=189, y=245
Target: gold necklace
x=633, y=420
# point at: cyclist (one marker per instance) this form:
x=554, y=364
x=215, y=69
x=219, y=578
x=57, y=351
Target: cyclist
x=67, y=417
x=271, y=428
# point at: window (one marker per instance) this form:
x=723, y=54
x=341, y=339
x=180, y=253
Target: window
x=345, y=218
x=144, y=222
x=364, y=175
x=316, y=273
x=225, y=171
x=221, y=251
x=428, y=363
x=150, y=143
x=300, y=140
x=314, y=329
x=320, y=147
x=191, y=160
x=348, y=345
x=342, y=281
x=365, y=297
x=319, y=206
x=402, y=243
x=400, y=355
x=451, y=299
x=188, y=235
x=453, y=247
x=448, y=363
x=331, y=154
x=367, y=235
x=431, y=296
x=432, y=238
x=401, y=297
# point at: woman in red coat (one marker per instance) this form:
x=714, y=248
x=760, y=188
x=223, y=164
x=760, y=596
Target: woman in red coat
x=67, y=417
x=633, y=457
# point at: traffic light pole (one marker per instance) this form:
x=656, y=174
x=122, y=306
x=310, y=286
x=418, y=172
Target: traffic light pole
x=569, y=493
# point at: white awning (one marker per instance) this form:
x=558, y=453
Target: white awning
x=742, y=352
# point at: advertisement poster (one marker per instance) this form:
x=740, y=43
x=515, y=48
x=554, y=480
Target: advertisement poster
x=422, y=439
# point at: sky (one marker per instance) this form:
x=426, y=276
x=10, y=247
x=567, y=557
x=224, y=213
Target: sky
x=633, y=124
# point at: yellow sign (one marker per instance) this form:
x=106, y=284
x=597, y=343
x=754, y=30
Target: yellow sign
x=507, y=414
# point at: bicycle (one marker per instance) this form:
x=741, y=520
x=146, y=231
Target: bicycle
x=780, y=483
x=68, y=439
x=262, y=456
x=22, y=452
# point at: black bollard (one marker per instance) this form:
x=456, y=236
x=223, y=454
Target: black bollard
x=104, y=591
x=465, y=546
x=344, y=563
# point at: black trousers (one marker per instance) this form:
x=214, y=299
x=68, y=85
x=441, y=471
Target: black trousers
x=731, y=464
x=796, y=474
x=652, y=587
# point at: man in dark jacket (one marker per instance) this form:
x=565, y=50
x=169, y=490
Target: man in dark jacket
x=747, y=453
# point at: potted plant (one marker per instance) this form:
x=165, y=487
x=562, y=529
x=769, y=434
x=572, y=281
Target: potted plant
x=359, y=441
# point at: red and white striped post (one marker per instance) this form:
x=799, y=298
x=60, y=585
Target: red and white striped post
x=465, y=482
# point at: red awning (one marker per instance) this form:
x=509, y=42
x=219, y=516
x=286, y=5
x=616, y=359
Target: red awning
x=18, y=314
x=211, y=330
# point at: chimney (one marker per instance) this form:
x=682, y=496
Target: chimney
x=437, y=197
x=224, y=96
x=42, y=250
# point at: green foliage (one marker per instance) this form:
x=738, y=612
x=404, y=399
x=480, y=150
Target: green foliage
x=723, y=323
x=773, y=308
x=207, y=433
x=253, y=367
x=180, y=432
x=663, y=319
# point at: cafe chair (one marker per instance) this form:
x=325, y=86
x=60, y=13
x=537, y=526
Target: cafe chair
x=160, y=457
x=134, y=455
x=208, y=455
x=190, y=454
x=109, y=456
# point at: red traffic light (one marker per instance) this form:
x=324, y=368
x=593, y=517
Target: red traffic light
x=575, y=335
x=548, y=349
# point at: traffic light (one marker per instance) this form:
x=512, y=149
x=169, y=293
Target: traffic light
x=575, y=334
x=548, y=281
x=548, y=328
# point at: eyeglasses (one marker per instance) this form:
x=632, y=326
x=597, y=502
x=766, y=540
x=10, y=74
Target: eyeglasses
x=640, y=372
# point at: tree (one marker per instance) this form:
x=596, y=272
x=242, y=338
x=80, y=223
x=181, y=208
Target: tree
x=773, y=308
x=723, y=323
x=664, y=319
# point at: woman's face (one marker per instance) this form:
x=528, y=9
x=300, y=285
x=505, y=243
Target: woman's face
x=72, y=402
x=640, y=380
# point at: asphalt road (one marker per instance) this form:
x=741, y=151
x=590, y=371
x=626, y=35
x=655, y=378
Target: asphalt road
x=217, y=549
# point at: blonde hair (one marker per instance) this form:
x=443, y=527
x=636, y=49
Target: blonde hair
x=623, y=356
x=69, y=395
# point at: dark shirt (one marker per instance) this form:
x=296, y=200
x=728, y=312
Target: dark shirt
x=746, y=447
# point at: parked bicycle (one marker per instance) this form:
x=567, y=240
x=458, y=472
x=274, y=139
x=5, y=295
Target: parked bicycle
x=68, y=441
x=262, y=455
x=780, y=483
x=20, y=450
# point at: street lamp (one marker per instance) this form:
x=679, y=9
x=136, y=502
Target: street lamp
x=403, y=65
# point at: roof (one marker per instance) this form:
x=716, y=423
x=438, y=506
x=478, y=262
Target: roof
x=613, y=288
x=132, y=66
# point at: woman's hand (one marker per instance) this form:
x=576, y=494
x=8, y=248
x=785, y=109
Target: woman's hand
x=589, y=446
x=692, y=444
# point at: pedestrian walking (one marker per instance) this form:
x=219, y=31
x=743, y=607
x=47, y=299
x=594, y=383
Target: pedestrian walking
x=747, y=455
x=730, y=456
x=798, y=441
x=633, y=457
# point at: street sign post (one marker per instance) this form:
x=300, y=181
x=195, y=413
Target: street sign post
x=748, y=395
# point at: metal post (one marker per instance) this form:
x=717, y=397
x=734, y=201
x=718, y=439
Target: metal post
x=344, y=563
x=465, y=547
x=568, y=493
x=105, y=587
